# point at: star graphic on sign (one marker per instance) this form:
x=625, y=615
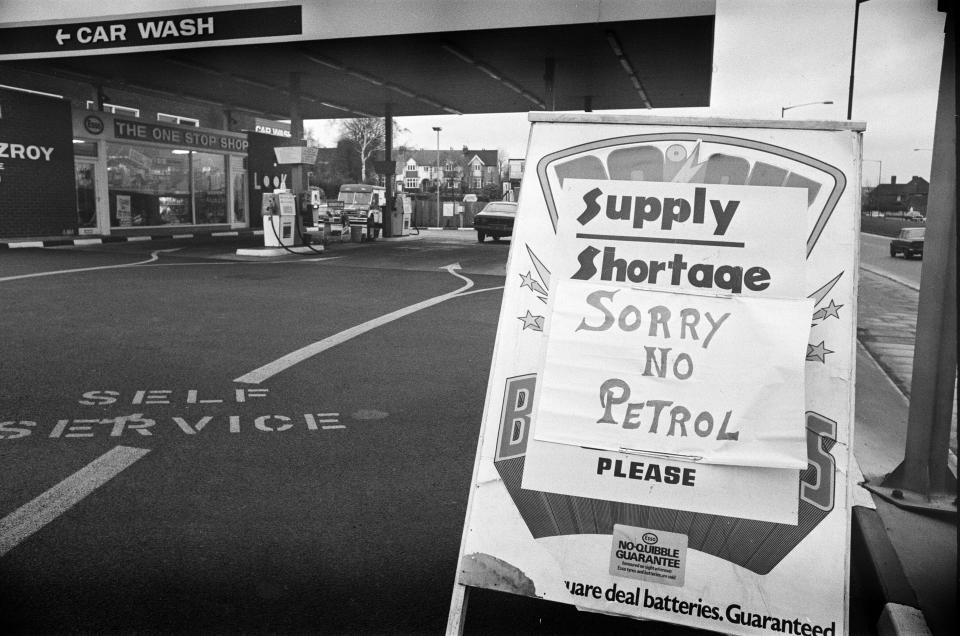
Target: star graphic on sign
x=817, y=352
x=832, y=309
x=532, y=322
x=532, y=283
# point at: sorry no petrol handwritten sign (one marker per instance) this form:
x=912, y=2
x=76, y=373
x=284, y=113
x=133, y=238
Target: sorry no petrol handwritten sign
x=695, y=377
x=679, y=325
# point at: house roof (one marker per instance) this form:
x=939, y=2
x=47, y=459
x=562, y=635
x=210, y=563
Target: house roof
x=486, y=157
x=327, y=154
x=916, y=185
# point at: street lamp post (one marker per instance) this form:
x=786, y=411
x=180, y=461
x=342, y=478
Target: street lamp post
x=784, y=109
x=879, y=170
x=439, y=177
x=872, y=198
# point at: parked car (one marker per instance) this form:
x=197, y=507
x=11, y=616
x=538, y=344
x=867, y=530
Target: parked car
x=909, y=243
x=496, y=220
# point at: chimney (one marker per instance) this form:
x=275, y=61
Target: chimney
x=893, y=180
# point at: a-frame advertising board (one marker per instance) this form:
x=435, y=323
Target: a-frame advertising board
x=667, y=430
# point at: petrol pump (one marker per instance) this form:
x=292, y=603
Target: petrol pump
x=279, y=210
x=287, y=212
x=310, y=202
x=290, y=211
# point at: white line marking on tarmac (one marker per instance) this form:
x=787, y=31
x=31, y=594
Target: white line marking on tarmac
x=154, y=255
x=271, y=369
x=26, y=520
x=480, y=291
x=226, y=262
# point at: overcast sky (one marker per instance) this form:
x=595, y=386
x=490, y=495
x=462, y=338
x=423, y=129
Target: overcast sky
x=770, y=54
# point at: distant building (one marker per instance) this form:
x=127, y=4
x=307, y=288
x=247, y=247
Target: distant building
x=513, y=177
x=465, y=170
x=900, y=197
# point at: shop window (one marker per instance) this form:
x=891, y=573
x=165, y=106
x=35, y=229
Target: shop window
x=150, y=186
x=177, y=119
x=209, y=188
x=86, y=194
x=239, y=176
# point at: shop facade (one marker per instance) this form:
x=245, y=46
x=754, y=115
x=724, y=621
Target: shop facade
x=138, y=177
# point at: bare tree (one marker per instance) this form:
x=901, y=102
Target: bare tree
x=367, y=136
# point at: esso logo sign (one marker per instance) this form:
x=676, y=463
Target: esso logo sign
x=93, y=124
x=650, y=539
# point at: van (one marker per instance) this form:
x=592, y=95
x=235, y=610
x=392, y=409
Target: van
x=361, y=202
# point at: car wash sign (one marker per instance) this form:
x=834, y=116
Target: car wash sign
x=153, y=31
x=667, y=426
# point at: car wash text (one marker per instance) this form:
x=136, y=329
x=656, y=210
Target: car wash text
x=146, y=30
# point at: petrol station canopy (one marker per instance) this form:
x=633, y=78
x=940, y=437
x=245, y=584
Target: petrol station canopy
x=343, y=58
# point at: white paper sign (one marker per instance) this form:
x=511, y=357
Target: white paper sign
x=694, y=377
x=124, y=212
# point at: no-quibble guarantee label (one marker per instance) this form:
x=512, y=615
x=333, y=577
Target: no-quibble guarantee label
x=648, y=555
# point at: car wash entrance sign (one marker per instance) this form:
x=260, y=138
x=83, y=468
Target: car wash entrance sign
x=153, y=31
x=668, y=418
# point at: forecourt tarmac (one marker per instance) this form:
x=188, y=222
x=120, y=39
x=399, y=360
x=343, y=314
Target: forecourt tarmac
x=193, y=442
x=325, y=495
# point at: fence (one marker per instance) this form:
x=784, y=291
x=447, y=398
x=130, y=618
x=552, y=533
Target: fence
x=425, y=212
